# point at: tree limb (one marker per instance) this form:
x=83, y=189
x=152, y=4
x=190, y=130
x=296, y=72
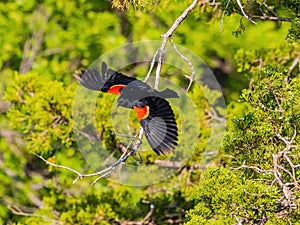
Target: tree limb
x=243, y=12
x=107, y=171
x=17, y=211
x=161, y=50
x=257, y=169
x=192, y=77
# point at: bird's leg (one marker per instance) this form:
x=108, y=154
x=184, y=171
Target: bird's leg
x=140, y=159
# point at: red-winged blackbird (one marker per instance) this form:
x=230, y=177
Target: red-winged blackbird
x=153, y=111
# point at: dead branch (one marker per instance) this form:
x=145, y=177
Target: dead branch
x=223, y=15
x=294, y=64
x=273, y=18
x=145, y=220
x=17, y=211
x=282, y=170
x=257, y=169
x=243, y=12
x=161, y=50
x=107, y=171
x=214, y=115
x=151, y=66
x=285, y=189
x=263, y=16
x=192, y=77
x=277, y=102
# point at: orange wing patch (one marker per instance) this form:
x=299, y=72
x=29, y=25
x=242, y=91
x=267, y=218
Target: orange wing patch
x=141, y=113
x=115, y=89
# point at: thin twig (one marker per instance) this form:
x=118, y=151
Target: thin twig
x=166, y=37
x=243, y=166
x=273, y=18
x=151, y=66
x=223, y=15
x=269, y=9
x=107, y=171
x=243, y=12
x=148, y=216
x=214, y=115
x=295, y=62
x=192, y=77
x=277, y=101
x=17, y=211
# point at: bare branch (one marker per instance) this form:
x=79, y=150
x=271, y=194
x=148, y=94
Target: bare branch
x=149, y=214
x=145, y=220
x=192, y=77
x=214, y=115
x=285, y=189
x=243, y=12
x=223, y=14
x=295, y=62
x=151, y=66
x=263, y=16
x=274, y=18
x=17, y=211
x=286, y=141
x=159, y=55
x=243, y=166
x=268, y=8
x=107, y=171
x=279, y=169
x=277, y=101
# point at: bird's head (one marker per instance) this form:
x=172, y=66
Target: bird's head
x=124, y=102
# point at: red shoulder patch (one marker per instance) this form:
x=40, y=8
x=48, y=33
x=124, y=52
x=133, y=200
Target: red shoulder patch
x=141, y=113
x=115, y=89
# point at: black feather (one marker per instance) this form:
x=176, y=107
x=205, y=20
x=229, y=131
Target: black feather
x=160, y=126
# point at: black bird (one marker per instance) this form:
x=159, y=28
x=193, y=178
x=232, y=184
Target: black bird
x=153, y=111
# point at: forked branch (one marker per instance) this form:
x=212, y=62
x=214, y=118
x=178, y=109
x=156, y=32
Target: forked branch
x=284, y=170
x=109, y=170
x=159, y=55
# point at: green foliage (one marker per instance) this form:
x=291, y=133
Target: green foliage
x=266, y=114
x=248, y=61
x=294, y=31
x=56, y=35
x=293, y=5
x=222, y=197
x=42, y=117
x=46, y=41
x=137, y=5
x=274, y=102
x=261, y=8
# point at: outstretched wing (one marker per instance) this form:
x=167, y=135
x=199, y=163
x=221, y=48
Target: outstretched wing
x=158, y=121
x=108, y=81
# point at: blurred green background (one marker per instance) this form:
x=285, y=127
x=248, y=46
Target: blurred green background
x=43, y=42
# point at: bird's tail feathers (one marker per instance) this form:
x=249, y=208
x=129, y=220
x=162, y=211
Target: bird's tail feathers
x=168, y=93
